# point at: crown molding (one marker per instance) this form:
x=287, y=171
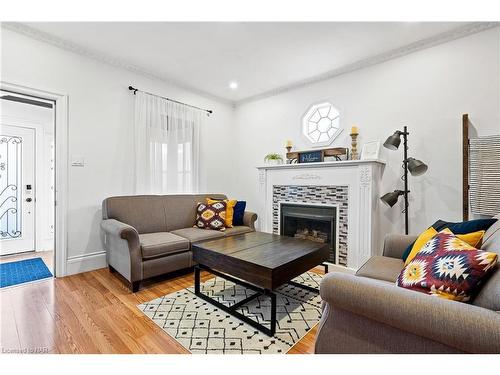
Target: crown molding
x=457, y=33
x=104, y=58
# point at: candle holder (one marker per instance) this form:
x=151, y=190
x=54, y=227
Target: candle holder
x=354, y=146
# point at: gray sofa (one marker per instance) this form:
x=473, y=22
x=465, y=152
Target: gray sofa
x=149, y=235
x=368, y=313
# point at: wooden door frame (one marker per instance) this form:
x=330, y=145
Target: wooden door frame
x=61, y=167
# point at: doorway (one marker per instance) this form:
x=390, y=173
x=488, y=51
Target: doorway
x=27, y=187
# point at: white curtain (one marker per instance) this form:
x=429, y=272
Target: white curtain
x=166, y=145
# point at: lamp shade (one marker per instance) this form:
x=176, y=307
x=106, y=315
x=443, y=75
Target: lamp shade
x=392, y=143
x=391, y=198
x=416, y=167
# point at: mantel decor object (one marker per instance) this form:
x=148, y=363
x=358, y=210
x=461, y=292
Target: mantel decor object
x=288, y=146
x=273, y=159
x=316, y=156
x=354, y=143
x=370, y=150
x=412, y=165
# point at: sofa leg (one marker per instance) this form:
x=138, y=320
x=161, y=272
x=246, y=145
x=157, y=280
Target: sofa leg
x=134, y=286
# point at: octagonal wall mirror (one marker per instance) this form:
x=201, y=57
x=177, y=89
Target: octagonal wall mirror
x=321, y=124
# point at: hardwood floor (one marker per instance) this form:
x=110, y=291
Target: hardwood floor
x=92, y=312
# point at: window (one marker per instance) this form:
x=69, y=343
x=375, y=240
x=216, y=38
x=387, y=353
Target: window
x=321, y=124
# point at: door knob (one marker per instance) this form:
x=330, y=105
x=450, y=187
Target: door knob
x=28, y=199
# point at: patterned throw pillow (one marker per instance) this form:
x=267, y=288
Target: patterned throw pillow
x=473, y=239
x=211, y=216
x=447, y=267
x=230, y=203
x=457, y=228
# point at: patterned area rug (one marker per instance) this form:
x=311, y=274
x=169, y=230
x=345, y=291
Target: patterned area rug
x=202, y=328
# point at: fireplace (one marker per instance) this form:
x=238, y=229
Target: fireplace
x=311, y=222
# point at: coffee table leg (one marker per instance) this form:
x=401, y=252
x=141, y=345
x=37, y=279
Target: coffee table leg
x=232, y=309
x=273, y=313
x=197, y=280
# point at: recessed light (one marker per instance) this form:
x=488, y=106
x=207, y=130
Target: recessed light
x=233, y=85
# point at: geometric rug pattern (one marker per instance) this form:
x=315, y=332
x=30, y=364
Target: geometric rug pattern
x=23, y=271
x=202, y=328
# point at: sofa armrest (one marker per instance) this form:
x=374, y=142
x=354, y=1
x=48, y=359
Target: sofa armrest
x=249, y=219
x=396, y=244
x=465, y=327
x=116, y=228
x=123, y=248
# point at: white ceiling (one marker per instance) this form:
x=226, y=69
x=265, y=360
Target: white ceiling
x=261, y=57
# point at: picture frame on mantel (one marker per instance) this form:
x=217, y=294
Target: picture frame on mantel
x=317, y=156
x=370, y=150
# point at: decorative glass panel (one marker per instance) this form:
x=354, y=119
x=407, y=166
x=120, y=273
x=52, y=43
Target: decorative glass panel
x=321, y=124
x=10, y=186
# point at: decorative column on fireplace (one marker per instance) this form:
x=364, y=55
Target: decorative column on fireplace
x=311, y=222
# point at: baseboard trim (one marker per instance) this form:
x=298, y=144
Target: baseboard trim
x=85, y=263
x=96, y=260
x=336, y=268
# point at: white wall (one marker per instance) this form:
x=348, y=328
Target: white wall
x=428, y=91
x=101, y=130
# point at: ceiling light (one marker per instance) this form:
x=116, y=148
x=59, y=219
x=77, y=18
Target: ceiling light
x=233, y=85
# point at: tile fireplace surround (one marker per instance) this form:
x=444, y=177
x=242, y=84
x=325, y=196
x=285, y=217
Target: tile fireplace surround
x=350, y=186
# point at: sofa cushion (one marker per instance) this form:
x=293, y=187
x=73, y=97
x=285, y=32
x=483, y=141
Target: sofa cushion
x=198, y=235
x=239, y=212
x=161, y=243
x=381, y=268
x=181, y=209
x=489, y=295
x=240, y=229
x=448, y=267
x=146, y=213
x=473, y=239
x=464, y=226
x=491, y=239
x=211, y=215
x=230, y=203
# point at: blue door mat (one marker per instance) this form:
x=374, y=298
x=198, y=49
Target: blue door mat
x=23, y=271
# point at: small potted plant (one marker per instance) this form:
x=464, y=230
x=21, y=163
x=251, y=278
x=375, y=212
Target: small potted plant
x=273, y=159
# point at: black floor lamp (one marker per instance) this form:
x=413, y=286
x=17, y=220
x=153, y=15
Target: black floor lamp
x=414, y=166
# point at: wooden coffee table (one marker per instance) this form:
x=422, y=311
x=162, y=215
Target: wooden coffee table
x=258, y=261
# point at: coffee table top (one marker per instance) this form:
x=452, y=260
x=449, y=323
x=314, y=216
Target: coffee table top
x=264, y=259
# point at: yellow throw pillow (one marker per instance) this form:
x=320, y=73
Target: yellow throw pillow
x=472, y=239
x=230, y=203
x=420, y=242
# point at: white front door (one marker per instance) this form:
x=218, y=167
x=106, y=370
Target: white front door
x=17, y=189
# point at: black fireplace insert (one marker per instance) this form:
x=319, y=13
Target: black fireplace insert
x=310, y=222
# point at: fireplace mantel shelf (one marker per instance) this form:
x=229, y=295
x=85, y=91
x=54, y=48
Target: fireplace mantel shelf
x=343, y=163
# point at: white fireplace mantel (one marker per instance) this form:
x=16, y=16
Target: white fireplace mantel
x=362, y=178
x=327, y=164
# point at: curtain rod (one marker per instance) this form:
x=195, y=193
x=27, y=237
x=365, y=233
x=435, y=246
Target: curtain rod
x=209, y=111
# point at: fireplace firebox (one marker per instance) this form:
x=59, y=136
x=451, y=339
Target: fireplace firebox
x=311, y=222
